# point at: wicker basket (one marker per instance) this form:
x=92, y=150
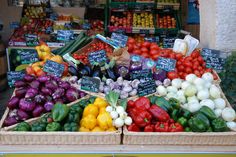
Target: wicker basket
x=181, y=138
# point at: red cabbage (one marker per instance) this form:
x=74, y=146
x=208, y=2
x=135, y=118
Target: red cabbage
x=27, y=104
x=159, y=74
x=20, y=93
x=39, y=99
x=43, y=79
x=72, y=94
x=13, y=102
x=35, y=84
x=59, y=92
x=10, y=121
x=19, y=83
x=38, y=111
x=51, y=85
x=29, y=78
x=48, y=106
x=65, y=85
x=31, y=92
x=22, y=115
x=46, y=91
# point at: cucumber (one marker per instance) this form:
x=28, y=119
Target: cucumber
x=87, y=41
x=62, y=49
x=76, y=46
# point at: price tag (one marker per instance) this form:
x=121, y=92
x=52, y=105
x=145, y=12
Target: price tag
x=54, y=68
x=97, y=57
x=141, y=74
x=31, y=40
x=214, y=58
x=166, y=64
x=65, y=35
x=144, y=31
x=90, y=84
x=119, y=39
x=28, y=56
x=146, y=88
x=13, y=76
x=168, y=42
x=152, y=39
x=49, y=30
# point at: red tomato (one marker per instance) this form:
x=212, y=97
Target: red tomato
x=195, y=67
x=154, y=46
x=180, y=74
x=172, y=55
x=208, y=70
x=200, y=68
x=204, y=64
x=215, y=76
x=154, y=52
x=196, y=63
x=184, y=75
x=195, y=54
x=136, y=46
x=137, y=52
x=163, y=54
x=196, y=72
x=146, y=44
x=155, y=57
x=172, y=75
x=200, y=59
x=178, y=56
x=201, y=72
x=145, y=55
x=144, y=50
x=130, y=48
x=180, y=68
x=188, y=63
x=131, y=40
x=188, y=58
x=179, y=63
x=188, y=70
x=139, y=45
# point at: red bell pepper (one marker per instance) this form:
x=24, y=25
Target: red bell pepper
x=130, y=105
x=149, y=128
x=161, y=127
x=133, y=127
x=159, y=113
x=141, y=118
x=176, y=127
x=142, y=103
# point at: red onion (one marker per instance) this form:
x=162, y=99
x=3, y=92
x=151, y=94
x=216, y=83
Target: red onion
x=13, y=103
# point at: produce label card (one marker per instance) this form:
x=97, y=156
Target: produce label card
x=97, y=57
x=31, y=40
x=152, y=39
x=28, y=56
x=90, y=84
x=214, y=58
x=168, y=42
x=166, y=64
x=120, y=39
x=13, y=76
x=141, y=74
x=146, y=88
x=144, y=31
x=65, y=35
x=53, y=68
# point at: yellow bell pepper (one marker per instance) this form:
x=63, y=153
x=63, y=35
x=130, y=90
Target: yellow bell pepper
x=83, y=129
x=90, y=109
x=100, y=102
x=88, y=122
x=57, y=59
x=104, y=120
x=101, y=110
x=97, y=129
x=111, y=129
x=45, y=48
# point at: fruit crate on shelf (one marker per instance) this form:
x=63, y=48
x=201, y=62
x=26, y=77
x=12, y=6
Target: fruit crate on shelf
x=132, y=5
x=168, y=4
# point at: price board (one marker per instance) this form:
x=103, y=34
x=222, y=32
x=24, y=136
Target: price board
x=168, y=42
x=119, y=39
x=28, y=56
x=147, y=87
x=13, y=76
x=53, y=68
x=31, y=40
x=166, y=64
x=65, y=35
x=90, y=84
x=97, y=57
x=141, y=74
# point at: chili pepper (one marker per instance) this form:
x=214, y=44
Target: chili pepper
x=133, y=127
x=175, y=127
x=187, y=129
x=183, y=121
x=59, y=112
x=175, y=114
x=149, y=128
x=142, y=103
x=199, y=123
x=70, y=126
x=208, y=112
x=54, y=126
x=23, y=126
x=219, y=125
x=174, y=103
x=38, y=126
x=161, y=127
x=141, y=118
x=186, y=114
x=159, y=113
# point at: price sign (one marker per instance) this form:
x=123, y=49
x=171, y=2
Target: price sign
x=146, y=88
x=144, y=31
x=54, y=68
x=214, y=58
x=97, y=57
x=13, y=76
x=166, y=64
x=31, y=40
x=90, y=84
x=152, y=39
x=168, y=42
x=119, y=39
x=141, y=74
x=65, y=35
x=28, y=56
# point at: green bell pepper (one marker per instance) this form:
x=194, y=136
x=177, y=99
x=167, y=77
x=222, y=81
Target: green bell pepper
x=152, y=99
x=77, y=108
x=91, y=100
x=219, y=125
x=71, y=126
x=199, y=123
x=187, y=129
x=54, y=126
x=38, y=126
x=163, y=103
x=175, y=114
x=59, y=112
x=174, y=103
x=46, y=118
x=210, y=129
x=73, y=116
x=207, y=112
x=183, y=121
x=186, y=114
x=23, y=126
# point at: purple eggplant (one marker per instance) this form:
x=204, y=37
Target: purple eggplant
x=48, y=106
x=22, y=115
x=39, y=99
x=27, y=104
x=72, y=94
x=31, y=92
x=35, y=84
x=10, y=121
x=20, y=83
x=38, y=111
x=43, y=79
x=20, y=93
x=29, y=78
x=46, y=91
x=64, y=85
x=13, y=102
x=58, y=93
x=159, y=74
x=51, y=85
